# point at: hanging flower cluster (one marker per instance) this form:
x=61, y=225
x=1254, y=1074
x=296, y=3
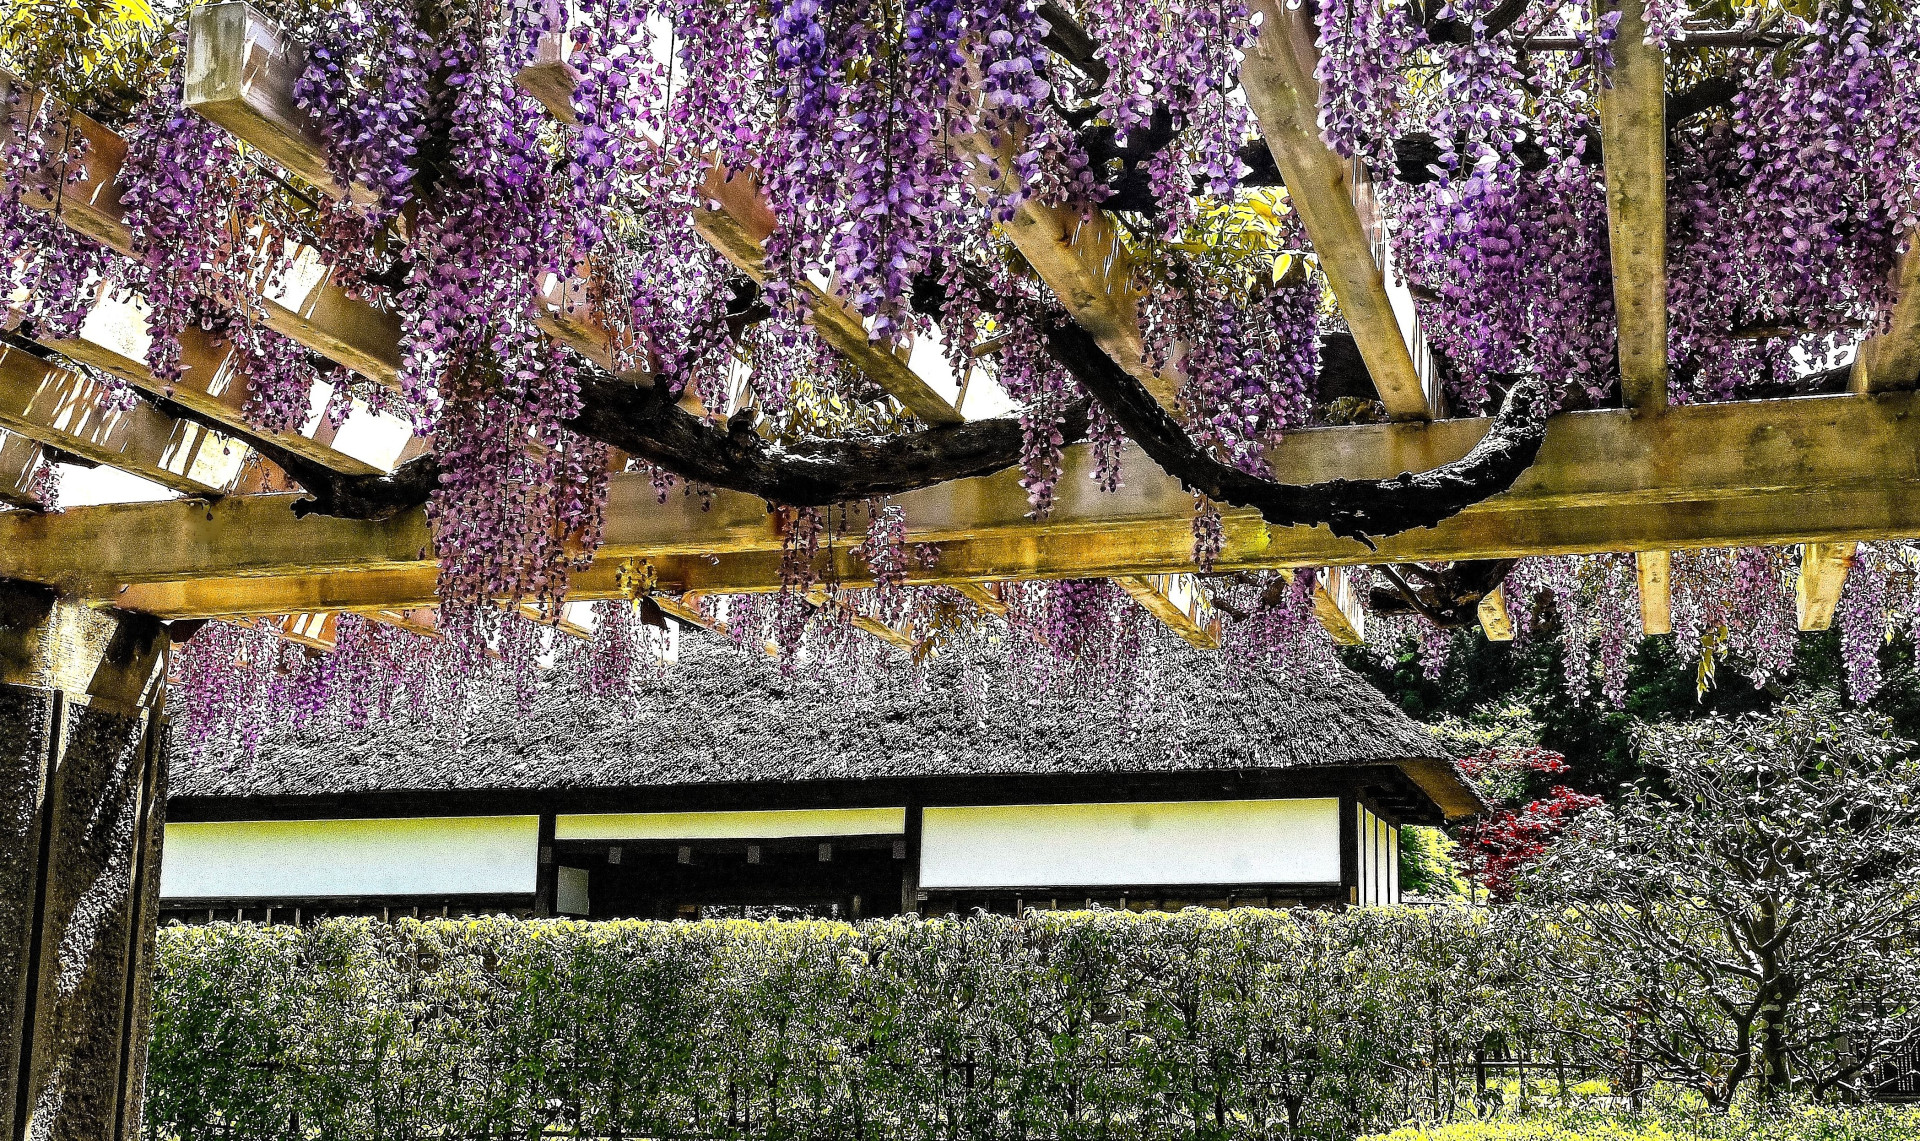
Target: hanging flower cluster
x=1173, y=66
x=1787, y=215
x=50, y=268
x=207, y=241
x=232, y=683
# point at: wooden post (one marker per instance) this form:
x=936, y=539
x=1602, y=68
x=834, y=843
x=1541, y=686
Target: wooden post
x=910, y=871
x=1654, y=571
x=1633, y=118
x=1823, y=575
x=82, y=805
x=546, y=877
x=1349, y=849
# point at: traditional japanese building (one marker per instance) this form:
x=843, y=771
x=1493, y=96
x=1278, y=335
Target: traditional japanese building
x=727, y=788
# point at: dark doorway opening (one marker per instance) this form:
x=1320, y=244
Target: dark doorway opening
x=838, y=877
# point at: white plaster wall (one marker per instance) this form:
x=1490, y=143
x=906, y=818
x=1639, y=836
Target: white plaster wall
x=250, y=859
x=1171, y=842
x=771, y=825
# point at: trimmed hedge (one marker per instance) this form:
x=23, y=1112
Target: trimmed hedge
x=1066, y=1025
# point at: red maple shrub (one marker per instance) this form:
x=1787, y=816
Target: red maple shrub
x=1498, y=846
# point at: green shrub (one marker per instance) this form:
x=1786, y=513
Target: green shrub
x=1098, y=1024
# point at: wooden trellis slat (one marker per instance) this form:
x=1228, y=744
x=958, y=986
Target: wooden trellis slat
x=1653, y=571
x=824, y=596
x=304, y=304
x=1082, y=259
x=1891, y=360
x=1179, y=601
x=240, y=76
x=1701, y=475
x=20, y=460
x=738, y=228
x=1338, y=606
x=985, y=595
x=1633, y=130
x=1823, y=575
x=1495, y=622
x=62, y=407
x=115, y=338
x=1278, y=77
x=314, y=630
x=240, y=72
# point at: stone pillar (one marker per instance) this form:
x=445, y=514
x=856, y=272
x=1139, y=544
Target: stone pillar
x=82, y=801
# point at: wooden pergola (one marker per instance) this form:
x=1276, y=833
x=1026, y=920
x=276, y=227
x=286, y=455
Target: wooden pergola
x=92, y=591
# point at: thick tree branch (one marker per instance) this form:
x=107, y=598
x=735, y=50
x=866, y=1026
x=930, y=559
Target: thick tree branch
x=1358, y=509
x=645, y=422
x=811, y=473
x=1451, y=597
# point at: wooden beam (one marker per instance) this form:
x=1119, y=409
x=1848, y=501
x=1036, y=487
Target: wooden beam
x=1179, y=601
x=20, y=460
x=1810, y=469
x=1495, y=622
x=1082, y=259
x=1890, y=361
x=1633, y=130
x=738, y=228
x=62, y=407
x=304, y=303
x=1337, y=604
x=985, y=595
x=1330, y=193
x=1823, y=575
x=115, y=338
x=1654, y=571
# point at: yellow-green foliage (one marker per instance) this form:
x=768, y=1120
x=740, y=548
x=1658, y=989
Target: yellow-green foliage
x=1801, y=1123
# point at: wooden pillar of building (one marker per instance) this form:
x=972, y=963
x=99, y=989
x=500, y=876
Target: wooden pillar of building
x=1349, y=849
x=910, y=866
x=82, y=805
x=546, y=879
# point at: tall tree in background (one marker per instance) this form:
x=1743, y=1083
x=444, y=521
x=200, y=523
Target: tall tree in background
x=1756, y=920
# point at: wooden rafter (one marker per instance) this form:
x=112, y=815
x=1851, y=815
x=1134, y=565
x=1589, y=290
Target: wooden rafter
x=985, y=595
x=1633, y=129
x=1653, y=571
x=822, y=595
x=1495, y=622
x=20, y=460
x=63, y=408
x=314, y=630
x=304, y=303
x=1337, y=605
x=1890, y=360
x=738, y=228
x=1701, y=475
x=1823, y=575
x=115, y=338
x=1082, y=259
x=240, y=76
x=1330, y=192
x=1178, y=601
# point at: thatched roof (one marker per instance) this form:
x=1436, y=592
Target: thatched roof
x=722, y=717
